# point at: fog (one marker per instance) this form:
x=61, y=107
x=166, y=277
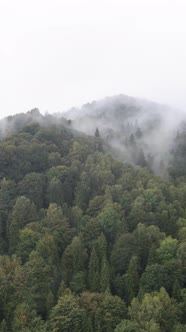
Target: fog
x=133, y=130
x=57, y=54
x=137, y=131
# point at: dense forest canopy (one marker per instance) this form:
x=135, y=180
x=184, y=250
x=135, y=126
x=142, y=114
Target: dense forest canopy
x=90, y=241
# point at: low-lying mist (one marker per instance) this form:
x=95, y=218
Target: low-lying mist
x=138, y=131
x=135, y=131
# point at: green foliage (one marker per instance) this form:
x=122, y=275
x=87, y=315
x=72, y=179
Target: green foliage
x=58, y=226
x=26, y=320
x=26, y=243
x=33, y=186
x=67, y=315
x=177, y=167
x=128, y=326
x=94, y=271
x=131, y=280
x=24, y=212
x=7, y=200
x=110, y=222
x=157, y=308
x=55, y=191
x=80, y=233
x=110, y=312
x=105, y=276
x=73, y=265
x=123, y=250
x=152, y=279
x=167, y=250
x=13, y=288
x=42, y=276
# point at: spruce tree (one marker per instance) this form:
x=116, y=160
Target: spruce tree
x=97, y=134
x=131, y=279
x=105, y=276
x=98, y=142
x=94, y=275
x=101, y=248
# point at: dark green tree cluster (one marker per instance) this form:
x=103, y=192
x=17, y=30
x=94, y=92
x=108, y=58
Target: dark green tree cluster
x=88, y=243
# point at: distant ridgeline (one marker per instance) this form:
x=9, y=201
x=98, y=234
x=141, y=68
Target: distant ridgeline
x=89, y=243
x=16, y=123
x=135, y=131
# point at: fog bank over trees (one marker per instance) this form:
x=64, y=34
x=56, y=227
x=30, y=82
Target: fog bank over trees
x=138, y=131
x=135, y=131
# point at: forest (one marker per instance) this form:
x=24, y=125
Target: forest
x=89, y=242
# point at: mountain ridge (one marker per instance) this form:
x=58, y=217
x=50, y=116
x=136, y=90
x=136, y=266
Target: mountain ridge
x=134, y=130
x=120, y=119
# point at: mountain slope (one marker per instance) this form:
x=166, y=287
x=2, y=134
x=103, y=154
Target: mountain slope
x=138, y=131
x=86, y=242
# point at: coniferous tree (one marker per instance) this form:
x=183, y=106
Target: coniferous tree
x=24, y=212
x=67, y=315
x=131, y=279
x=105, y=276
x=97, y=134
x=93, y=272
x=141, y=161
x=98, y=141
x=101, y=247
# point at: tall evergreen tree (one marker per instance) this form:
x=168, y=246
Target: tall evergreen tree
x=105, y=276
x=24, y=212
x=131, y=280
x=98, y=142
x=94, y=273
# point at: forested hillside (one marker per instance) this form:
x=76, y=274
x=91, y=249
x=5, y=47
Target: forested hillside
x=88, y=243
x=139, y=131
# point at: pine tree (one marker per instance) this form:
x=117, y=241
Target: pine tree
x=97, y=134
x=101, y=248
x=105, y=276
x=131, y=279
x=141, y=159
x=152, y=255
x=98, y=142
x=24, y=212
x=67, y=315
x=132, y=140
x=94, y=275
x=176, y=291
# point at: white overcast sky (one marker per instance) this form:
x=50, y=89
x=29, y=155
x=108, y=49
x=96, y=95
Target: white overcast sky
x=55, y=54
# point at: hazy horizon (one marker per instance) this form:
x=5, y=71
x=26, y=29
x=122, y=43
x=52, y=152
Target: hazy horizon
x=55, y=54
